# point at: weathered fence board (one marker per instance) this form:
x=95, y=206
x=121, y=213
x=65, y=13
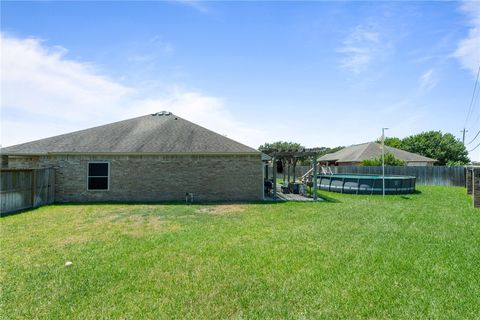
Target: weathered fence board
x=26, y=188
x=433, y=175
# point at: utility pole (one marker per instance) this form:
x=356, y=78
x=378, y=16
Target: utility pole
x=463, y=135
x=383, y=161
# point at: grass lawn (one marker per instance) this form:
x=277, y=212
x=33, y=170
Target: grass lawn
x=414, y=256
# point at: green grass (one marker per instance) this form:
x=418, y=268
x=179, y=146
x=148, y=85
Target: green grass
x=413, y=256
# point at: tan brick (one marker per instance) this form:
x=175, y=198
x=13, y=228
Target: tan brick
x=157, y=178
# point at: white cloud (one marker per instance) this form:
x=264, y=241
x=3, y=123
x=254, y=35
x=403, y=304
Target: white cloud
x=40, y=81
x=204, y=110
x=360, y=49
x=196, y=4
x=145, y=52
x=44, y=93
x=468, y=49
x=428, y=80
x=161, y=45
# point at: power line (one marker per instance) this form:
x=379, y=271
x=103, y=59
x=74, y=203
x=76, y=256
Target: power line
x=463, y=135
x=473, y=97
x=478, y=133
x=478, y=145
x=478, y=104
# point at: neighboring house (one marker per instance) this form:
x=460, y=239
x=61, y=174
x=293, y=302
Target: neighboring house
x=158, y=157
x=354, y=155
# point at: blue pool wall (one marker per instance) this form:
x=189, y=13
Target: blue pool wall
x=366, y=184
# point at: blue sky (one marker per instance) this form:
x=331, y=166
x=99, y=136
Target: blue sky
x=319, y=73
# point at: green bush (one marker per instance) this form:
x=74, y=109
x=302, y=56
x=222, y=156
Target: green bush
x=390, y=160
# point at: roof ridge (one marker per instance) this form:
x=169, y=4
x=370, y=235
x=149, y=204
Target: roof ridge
x=358, y=144
x=223, y=136
x=367, y=150
x=158, y=132
x=73, y=132
x=408, y=152
x=367, y=144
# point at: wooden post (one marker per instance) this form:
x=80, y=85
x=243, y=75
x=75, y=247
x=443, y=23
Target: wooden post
x=274, y=167
x=34, y=187
x=476, y=187
x=469, y=179
x=52, y=185
x=314, y=179
x=294, y=167
x=288, y=171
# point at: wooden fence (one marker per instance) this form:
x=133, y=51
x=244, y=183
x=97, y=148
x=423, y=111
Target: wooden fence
x=435, y=175
x=25, y=188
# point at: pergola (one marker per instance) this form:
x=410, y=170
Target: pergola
x=291, y=157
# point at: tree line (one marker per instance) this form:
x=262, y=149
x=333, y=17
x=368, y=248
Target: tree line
x=444, y=147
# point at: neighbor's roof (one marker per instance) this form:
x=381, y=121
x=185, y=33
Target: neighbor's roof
x=161, y=132
x=369, y=151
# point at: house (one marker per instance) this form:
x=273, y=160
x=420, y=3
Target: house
x=157, y=157
x=355, y=154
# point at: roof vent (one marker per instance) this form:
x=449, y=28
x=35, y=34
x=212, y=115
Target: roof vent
x=162, y=113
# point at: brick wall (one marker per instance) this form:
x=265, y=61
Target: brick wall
x=158, y=178
x=22, y=162
x=4, y=161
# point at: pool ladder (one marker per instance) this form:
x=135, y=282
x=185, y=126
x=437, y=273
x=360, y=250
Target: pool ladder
x=307, y=177
x=326, y=170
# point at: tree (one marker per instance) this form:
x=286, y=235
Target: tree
x=433, y=144
x=281, y=145
x=284, y=145
x=286, y=162
x=327, y=150
x=282, y=164
x=392, y=142
x=390, y=160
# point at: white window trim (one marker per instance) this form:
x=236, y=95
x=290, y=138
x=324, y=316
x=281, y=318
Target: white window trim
x=108, y=177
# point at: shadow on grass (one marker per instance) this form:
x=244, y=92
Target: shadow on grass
x=14, y=213
x=328, y=199
x=408, y=197
x=166, y=203
x=169, y=203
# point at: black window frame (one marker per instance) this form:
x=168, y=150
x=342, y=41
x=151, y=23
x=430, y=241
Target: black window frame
x=98, y=176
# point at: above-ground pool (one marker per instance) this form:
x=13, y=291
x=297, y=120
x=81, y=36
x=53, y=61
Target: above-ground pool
x=366, y=184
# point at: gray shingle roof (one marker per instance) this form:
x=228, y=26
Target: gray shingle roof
x=371, y=150
x=159, y=133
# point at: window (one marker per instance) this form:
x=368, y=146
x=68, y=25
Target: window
x=98, y=175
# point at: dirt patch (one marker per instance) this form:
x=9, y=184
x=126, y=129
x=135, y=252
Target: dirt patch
x=222, y=209
x=80, y=238
x=156, y=222
x=103, y=227
x=139, y=225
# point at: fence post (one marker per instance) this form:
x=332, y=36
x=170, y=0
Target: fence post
x=274, y=177
x=34, y=187
x=476, y=187
x=314, y=180
x=469, y=180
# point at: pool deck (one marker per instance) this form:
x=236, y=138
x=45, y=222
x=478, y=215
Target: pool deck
x=291, y=196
